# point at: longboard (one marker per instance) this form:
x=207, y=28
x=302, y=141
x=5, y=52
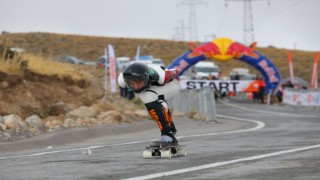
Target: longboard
x=165, y=152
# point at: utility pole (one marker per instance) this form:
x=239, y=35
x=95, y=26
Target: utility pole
x=193, y=30
x=248, y=27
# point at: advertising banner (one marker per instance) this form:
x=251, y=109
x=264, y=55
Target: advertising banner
x=303, y=98
x=221, y=85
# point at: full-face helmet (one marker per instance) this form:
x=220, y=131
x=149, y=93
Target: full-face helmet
x=136, y=76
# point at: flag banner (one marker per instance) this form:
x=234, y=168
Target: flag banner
x=112, y=69
x=314, y=77
x=138, y=53
x=303, y=98
x=105, y=71
x=291, y=67
x=221, y=85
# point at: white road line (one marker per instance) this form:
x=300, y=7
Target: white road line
x=256, y=110
x=259, y=126
x=68, y=150
x=217, y=164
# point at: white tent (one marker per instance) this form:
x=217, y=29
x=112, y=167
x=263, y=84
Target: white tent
x=297, y=82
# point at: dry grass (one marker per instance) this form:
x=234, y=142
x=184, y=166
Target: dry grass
x=44, y=66
x=10, y=66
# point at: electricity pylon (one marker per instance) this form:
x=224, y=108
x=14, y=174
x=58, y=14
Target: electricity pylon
x=248, y=36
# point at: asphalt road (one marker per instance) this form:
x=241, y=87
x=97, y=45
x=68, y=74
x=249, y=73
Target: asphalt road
x=249, y=141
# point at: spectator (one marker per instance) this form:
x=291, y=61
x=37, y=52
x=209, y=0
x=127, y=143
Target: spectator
x=123, y=92
x=289, y=84
x=237, y=77
x=279, y=94
x=261, y=89
x=256, y=93
x=130, y=94
x=210, y=77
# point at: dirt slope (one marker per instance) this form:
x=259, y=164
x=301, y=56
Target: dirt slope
x=35, y=94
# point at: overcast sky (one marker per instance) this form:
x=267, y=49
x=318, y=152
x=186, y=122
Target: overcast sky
x=291, y=24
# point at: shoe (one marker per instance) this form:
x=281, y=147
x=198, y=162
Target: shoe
x=165, y=140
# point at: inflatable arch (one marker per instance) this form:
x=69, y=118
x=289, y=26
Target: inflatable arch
x=224, y=49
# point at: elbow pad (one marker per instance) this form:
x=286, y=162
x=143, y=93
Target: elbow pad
x=170, y=74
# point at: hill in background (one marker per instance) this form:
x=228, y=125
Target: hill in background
x=91, y=47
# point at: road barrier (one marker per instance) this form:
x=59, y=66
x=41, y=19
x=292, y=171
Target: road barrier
x=198, y=101
x=301, y=98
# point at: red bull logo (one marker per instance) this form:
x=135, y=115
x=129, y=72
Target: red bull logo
x=208, y=50
x=222, y=49
x=237, y=50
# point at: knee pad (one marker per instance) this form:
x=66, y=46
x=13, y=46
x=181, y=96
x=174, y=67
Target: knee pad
x=161, y=115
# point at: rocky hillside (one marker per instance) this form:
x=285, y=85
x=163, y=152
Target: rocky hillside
x=31, y=104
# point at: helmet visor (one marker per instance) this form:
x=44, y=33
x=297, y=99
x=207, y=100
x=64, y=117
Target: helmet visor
x=136, y=83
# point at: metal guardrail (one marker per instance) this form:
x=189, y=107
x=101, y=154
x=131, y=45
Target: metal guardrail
x=200, y=101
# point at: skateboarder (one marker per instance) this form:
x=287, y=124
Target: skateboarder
x=154, y=84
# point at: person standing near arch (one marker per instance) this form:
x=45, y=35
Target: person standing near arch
x=261, y=90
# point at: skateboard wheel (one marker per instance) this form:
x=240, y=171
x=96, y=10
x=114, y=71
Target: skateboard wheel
x=166, y=154
x=147, y=154
x=181, y=152
x=173, y=150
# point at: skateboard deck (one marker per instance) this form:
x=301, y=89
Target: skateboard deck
x=164, y=152
x=164, y=147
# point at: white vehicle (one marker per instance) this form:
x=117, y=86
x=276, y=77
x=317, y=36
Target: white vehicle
x=239, y=71
x=145, y=61
x=243, y=73
x=122, y=62
x=158, y=62
x=203, y=69
x=148, y=59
